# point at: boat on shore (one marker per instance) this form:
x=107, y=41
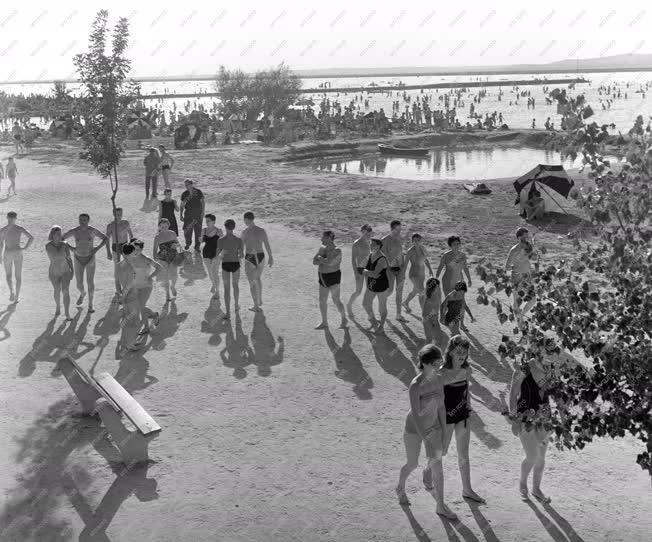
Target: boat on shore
x=402, y=151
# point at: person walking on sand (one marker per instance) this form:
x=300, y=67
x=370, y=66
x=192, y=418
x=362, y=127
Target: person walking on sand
x=12, y=172
x=255, y=239
x=518, y=263
x=192, y=214
x=168, y=208
x=417, y=258
x=137, y=281
x=84, y=260
x=528, y=402
x=454, y=264
x=18, y=134
x=231, y=249
x=328, y=260
x=210, y=236
x=425, y=423
x=118, y=233
x=165, y=250
x=152, y=163
x=430, y=310
x=456, y=372
x=376, y=272
x=167, y=163
x=453, y=308
x=11, y=253
x=61, y=269
x=359, y=257
x=393, y=249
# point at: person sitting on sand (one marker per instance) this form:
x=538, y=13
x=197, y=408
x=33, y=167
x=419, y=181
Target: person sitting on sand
x=376, y=272
x=61, y=269
x=453, y=308
x=255, y=243
x=417, y=258
x=454, y=263
x=425, y=424
x=328, y=260
x=535, y=206
x=359, y=257
x=11, y=253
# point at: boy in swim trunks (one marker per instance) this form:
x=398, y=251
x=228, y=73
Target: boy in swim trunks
x=518, y=262
x=393, y=249
x=254, y=239
x=84, y=260
x=231, y=248
x=359, y=257
x=329, y=258
x=114, y=249
x=11, y=253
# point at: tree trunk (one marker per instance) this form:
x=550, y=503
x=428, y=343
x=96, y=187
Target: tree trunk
x=114, y=193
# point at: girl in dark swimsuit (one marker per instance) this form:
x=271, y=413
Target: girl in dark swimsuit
x=377, y=285
x=210, y=235
x=168, y=209
x=528, y=399
x=456, y=372
x=453, y=308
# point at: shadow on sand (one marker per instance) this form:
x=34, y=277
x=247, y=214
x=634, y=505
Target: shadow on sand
x=348, y=365
x=237, y=353
x=192, y=268
x=5, y=315
x=267, y=352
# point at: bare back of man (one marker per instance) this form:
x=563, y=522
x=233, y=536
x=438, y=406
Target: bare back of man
x=84, y=259
x=255, y=242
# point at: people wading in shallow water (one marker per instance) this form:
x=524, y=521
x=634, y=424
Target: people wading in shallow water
x=453, y=308
x=376, y=272
x=137, y=273
x=359, y=257
x=231, y=250
x=328, y=260
x=165, y=250
x=425, y=424
x=528, y=397
x=431, y=308
x=210, y=235
x=84, y=258
x=417, y=258
x=393, y=249
x=255, y=240
x=113, y=249
x=61, y=270
x=454, y=264
x=11, y=253
x=455, y=372
x=518, y=263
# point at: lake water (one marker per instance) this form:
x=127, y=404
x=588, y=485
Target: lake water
x=440, y=164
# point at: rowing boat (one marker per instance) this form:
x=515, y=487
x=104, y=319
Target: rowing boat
x=404, y=151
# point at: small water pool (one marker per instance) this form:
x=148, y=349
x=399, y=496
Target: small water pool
x=470, y=164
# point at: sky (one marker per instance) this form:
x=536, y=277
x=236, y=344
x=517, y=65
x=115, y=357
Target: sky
x=38, y=41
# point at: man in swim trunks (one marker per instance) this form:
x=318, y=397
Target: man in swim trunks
x=329, y=258
x=11, y=253
x=84, y=259
x=17, y=132
x=254, y=239
x=115, y=242
x=393, y=249
x=231, y=248
x=518, y=263
x=359, y=257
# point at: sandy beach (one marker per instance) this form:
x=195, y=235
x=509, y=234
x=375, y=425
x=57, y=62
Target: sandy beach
x=272, y=430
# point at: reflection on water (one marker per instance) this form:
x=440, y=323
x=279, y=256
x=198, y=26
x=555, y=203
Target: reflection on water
x=467, y=164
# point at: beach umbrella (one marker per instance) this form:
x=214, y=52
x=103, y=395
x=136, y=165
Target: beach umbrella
x=546, y=179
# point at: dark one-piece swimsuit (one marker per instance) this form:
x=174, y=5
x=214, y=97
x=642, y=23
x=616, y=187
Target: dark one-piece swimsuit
x=381, y=282
x=210, y=246
x=531, y=396
x=457, y=408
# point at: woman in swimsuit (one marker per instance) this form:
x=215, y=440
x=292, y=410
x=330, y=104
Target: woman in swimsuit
x=456, y=372
x=431, y=307
x=528, y=400
x=168, y=208
x=418, y=260
x=165, y=250
x=453, y=308
x=425, y=424
x=210, y=235
x=454, y=261
x=61, y=269
x=377, y=285
x=138, y=282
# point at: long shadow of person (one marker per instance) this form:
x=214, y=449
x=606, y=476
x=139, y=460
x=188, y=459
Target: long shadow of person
x=192, y=268
x=480, y=429
x=132, y=371
x=267, y=351
x=495, y=369
x=213, y=322
x=555, y=533
x=72, y=348
x=236, y=353
x=420, y=533
x=348, y=364
x=483, y=522
x=169, y=322
x=5, y=315
x=107, y=325
x=457, y=525
x=562, y=523
x=409, y=339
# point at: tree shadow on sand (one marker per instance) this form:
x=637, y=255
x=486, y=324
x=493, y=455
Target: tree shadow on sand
x=267, y=352
x=237, y=353
x=5, y=315
x=349, y=366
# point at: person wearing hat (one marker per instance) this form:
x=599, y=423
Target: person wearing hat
x=359, y=257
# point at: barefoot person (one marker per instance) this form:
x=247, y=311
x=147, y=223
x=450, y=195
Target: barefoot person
x=61, y=270
x=454, y=263
x=192, y=213
x=329, y=258
x=167, y=163
x=12, y=171
x=11, y=253
x=417, y=258
x=430, y=311
x=255, y=239
x=425, y=424
x=167, y=208
x=453, y=308
x=456, y=372
x=84, y=260
x=231, y=250
x=118, y=233
x=359, y=257
x=210, y=235
x=152, y=163
x=393, y=249
x=138, y=272
x=518, y=263
x=528, y=398
x=165, y=250
x=376, y=272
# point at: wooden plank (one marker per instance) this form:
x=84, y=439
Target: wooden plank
x=129, y=406
x=90, y=381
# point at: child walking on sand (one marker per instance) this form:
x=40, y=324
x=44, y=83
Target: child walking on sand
x=12, y=171
x=431, y=306
x=453, y=308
